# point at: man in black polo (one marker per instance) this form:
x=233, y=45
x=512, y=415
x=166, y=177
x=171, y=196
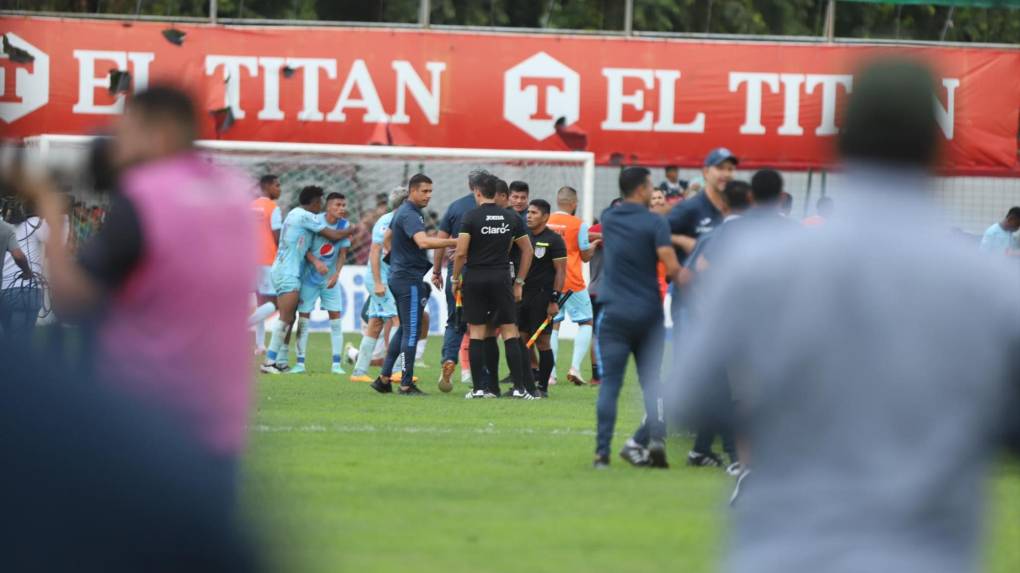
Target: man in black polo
x=408, y=265
x=483, y=247
x=519, y=193
x=636, y=240
x=449, y=227
x=542, y=289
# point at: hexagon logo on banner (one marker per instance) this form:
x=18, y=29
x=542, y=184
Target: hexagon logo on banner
x=537, y=92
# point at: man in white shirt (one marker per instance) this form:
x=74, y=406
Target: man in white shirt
x=20, y=297
x=999, y=238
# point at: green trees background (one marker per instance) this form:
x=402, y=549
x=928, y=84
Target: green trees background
x=780, y=17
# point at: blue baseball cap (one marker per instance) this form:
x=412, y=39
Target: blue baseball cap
x=718, y=155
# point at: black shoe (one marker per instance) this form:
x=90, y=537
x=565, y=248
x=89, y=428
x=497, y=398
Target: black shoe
x=601, y=462
x=382, y=387
x=634, y=454
x=541, y=393
x=657, y=454
x=709, y=460
x=411, y=390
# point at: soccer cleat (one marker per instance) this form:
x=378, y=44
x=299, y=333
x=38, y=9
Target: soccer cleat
x=601, y=462
x=298, y=368
x=737, y=487
x=282, y=367
x=634, y=454
x=360, y=378
x=337, y=369
x=350, y=353
x=479, y=395
x=657, y=454
x=700, y=460
x=444, y=378
x=382, y=387
x=269, y=368
x=734, y=469
x=410, y=390
x=574, y=376
x=521, y=394
x=397, y=376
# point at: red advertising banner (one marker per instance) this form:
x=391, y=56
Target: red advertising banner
x=643, y=101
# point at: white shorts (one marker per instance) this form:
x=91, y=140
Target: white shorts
x=265, y=281
x=578, y=307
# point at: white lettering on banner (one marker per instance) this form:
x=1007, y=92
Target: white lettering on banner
x=617, y=99
x=88, y=82
x=752, y=108
x=232, y=76
x=539, y=91
x=359, y=78
x=946, y=116
x=24, y=86
x=791, y=104
x=830, y=85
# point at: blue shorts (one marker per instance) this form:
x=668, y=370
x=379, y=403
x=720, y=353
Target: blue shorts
x=384, y=307
x=284, y=283
x=578, y=306
x=330, y=297
x=265, y=281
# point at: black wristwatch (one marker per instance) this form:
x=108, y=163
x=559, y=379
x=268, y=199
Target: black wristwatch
x=555, y=297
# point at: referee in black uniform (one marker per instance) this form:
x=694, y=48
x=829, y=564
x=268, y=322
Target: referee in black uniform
x=542, y=290
x=483, y=246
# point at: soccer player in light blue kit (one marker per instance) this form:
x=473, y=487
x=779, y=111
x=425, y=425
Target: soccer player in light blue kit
x=381, y=308
x=299, y=228
x=320, y=280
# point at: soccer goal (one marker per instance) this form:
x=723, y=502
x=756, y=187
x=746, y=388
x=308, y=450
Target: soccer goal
x=364, y=173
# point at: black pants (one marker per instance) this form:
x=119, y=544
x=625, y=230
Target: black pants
x=411, y=297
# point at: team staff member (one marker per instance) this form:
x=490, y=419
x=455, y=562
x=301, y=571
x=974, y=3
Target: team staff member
x=408, y=265
x=449, y=226
x=268, y=223
x=631, y=320
x=519, y=193
x=483, y=246
x=542, y=289
x=697, y=216
x=579, y=251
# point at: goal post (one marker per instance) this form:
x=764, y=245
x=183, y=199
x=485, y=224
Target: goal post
x=375, y=169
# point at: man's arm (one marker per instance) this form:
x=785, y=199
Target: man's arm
x=437, y=269
x=337, y=234
x=684, y=242
x=315, y=262
x=460, y=257
x=340, y=260
x=275, y=224
x=72, y=290
x=22, y=261
x=374, y=262
x=585, y=244
x=527, y=252
x=668, y=257
x=424, y=241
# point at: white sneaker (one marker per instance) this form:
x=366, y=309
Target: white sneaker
x=734, y=469
x=479, y=395
x=523, y=395
x=574, y=376
x=350, y=353
x=337, y=369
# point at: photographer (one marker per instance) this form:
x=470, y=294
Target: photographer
x=167, y=277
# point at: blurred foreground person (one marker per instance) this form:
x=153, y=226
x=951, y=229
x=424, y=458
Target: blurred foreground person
x=167, y=277
x=871, y=408
x=97, y=483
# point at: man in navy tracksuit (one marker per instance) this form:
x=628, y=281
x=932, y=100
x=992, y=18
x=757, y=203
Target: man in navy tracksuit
x=635, y=240
x=408, y=264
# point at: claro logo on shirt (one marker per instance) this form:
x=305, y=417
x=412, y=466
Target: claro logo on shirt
x=500, y=230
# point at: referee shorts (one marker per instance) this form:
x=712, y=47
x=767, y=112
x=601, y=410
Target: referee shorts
x=534, y=309
x=488, y=298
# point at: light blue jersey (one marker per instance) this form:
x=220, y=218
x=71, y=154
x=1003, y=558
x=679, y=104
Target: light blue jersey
x=326, y=251
x=378, y=234
x=998, y=240
x=299, y=227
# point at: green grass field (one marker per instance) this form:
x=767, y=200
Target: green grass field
x=343, y=479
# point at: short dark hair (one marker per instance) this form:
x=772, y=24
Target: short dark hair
x=1013, y=213
x=631, y=178
x=542, y=205
x=335, y=195
x=476, y=179
x=671, y=168
x=501, y=187
x=519, y=186
x=309, y=194
x=487, y=186
x=766, y=186
x=166, y=103
x=737, y=195
x=418, y=179
x=268, y=179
